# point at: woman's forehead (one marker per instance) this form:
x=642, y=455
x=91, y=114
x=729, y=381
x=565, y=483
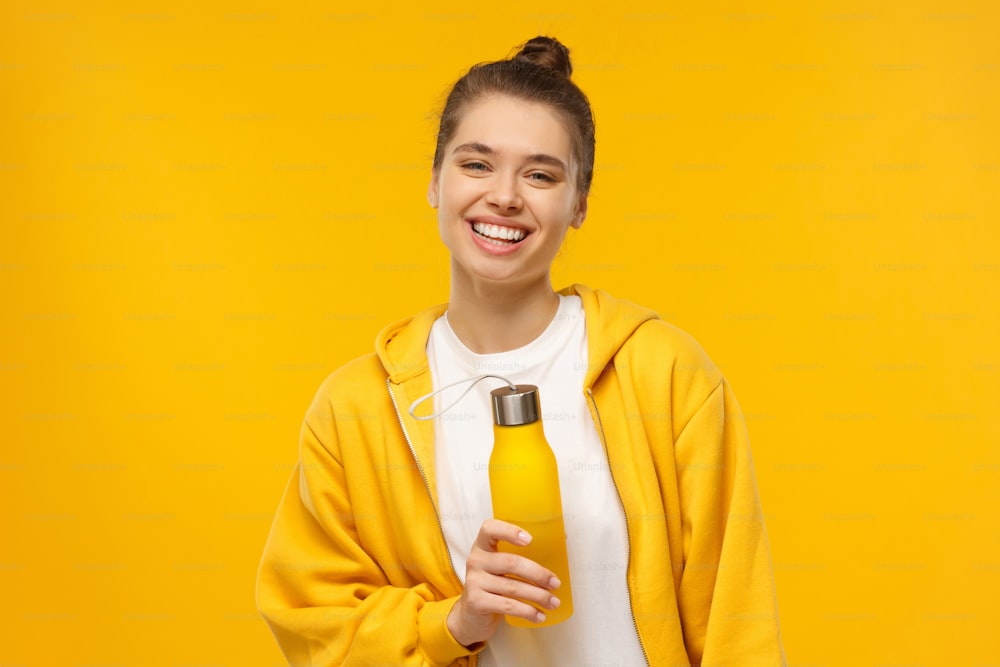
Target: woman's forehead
x=508, y=125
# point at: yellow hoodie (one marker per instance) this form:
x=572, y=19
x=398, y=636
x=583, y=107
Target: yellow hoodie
x=356, y=570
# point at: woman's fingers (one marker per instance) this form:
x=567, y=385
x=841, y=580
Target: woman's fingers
x=504, y=577
x=506, y=581
x=500, y=583
x=492, y=532
x=481, y=602
x=505, y=573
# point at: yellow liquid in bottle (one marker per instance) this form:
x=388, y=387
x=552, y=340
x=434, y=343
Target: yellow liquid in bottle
x=524, y=485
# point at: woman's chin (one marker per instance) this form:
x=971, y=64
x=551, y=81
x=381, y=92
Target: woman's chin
x=489, y=275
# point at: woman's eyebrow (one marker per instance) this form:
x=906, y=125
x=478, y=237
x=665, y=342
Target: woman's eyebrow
x=476, y=147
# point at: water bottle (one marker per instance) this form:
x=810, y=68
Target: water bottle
x=524, y=487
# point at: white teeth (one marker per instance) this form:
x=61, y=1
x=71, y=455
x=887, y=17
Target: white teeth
x=498, y=232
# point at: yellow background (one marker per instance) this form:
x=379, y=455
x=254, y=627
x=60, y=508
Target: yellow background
x=207, y=207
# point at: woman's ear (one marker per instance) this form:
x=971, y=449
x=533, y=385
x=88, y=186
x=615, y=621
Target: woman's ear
x=581, y=213
x=432, y=190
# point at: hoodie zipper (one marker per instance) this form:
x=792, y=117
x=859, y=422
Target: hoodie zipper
x=474, y=658
x=628, y=537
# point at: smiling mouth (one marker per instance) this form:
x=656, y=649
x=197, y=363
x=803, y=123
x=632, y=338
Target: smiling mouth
x=498, y=235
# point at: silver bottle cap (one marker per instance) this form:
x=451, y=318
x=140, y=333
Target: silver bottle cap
x=514, y=408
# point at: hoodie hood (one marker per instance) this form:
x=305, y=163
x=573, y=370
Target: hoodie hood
x=610, y=322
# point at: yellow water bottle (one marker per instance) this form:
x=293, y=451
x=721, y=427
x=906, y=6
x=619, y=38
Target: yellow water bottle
x=524, y=486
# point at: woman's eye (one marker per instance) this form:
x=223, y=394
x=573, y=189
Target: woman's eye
x=538, y=176
x=475, y=166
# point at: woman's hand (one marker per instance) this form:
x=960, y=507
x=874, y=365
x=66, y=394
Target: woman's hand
x=489, y=594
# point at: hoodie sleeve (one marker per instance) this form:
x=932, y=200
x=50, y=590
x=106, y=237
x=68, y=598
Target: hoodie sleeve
x=326, y=601
x=726, y=598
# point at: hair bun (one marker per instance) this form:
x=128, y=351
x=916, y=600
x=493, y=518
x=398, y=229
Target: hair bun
x=546, y=52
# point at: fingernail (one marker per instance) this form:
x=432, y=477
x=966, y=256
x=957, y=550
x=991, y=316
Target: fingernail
x=539, y=617
x=555, y=602
x=554, y=583
x=524, y=537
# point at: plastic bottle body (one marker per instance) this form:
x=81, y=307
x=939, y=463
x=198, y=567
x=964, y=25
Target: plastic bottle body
x=524, y=486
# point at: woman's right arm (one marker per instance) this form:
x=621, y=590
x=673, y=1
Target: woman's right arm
x=329, y=601
x=325, y=599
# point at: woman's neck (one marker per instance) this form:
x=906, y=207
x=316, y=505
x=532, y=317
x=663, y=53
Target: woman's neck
x=491, y=318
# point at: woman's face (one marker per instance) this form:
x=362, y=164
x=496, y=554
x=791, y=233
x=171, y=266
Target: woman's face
x=506, y=192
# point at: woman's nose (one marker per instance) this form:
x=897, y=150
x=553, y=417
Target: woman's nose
x=504, y=195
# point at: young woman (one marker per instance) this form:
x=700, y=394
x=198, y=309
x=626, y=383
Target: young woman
x=384, y=548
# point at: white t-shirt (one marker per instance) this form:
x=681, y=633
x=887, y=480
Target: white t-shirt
x=601, y=630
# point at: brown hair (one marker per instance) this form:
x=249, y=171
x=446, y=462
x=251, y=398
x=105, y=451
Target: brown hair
x=538, y=73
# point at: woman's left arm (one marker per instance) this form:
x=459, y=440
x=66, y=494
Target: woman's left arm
x=727, y=596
